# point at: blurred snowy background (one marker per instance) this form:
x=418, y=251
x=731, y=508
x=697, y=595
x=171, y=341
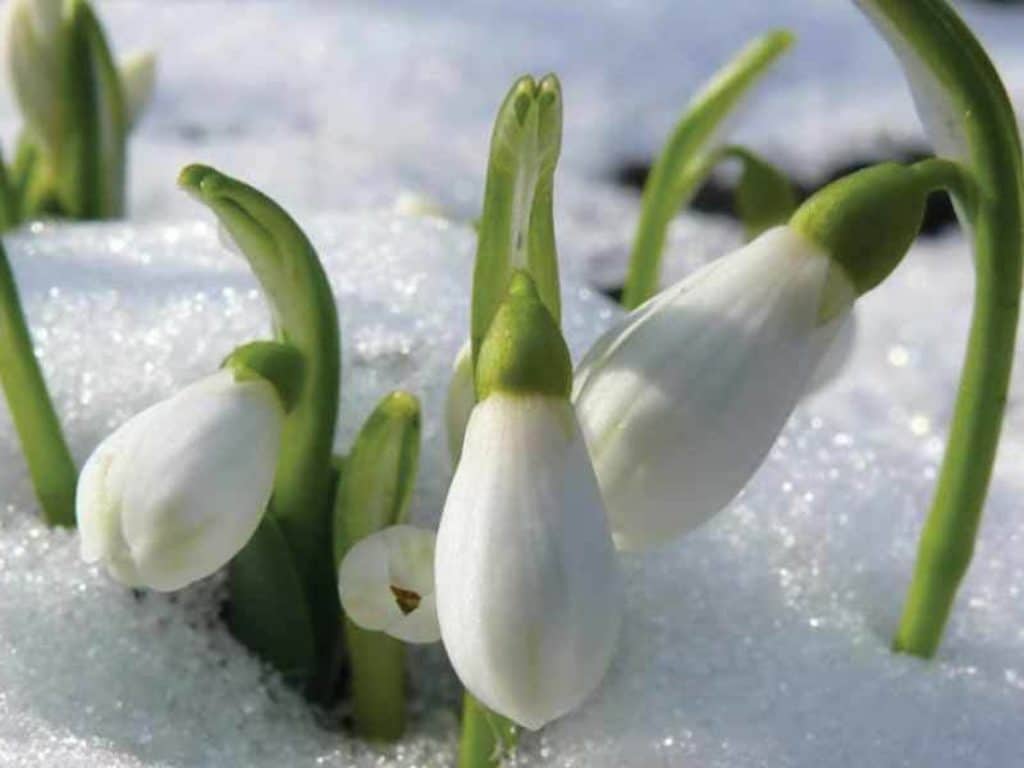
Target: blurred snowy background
x=759, y=641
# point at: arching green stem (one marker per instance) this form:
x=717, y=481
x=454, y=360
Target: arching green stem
x=304, y=316
x=50, y=466
x=969, y=116
x=687, y=158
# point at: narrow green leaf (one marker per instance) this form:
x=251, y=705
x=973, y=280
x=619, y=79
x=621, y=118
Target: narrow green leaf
x=516, y=228
x=270, y=612
x=50, y=466
x=687, y=158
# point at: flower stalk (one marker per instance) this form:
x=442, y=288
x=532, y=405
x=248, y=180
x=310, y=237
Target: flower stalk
x=50, y=465
x=304, y=316
x=969, y=118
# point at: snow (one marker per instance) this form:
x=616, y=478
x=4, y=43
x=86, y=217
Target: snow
x=761, y=639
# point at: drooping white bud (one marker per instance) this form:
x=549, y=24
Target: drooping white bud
x=529, y=594
x=175, y=492
x=681, y=402
x=386, y=584
x=35, y=41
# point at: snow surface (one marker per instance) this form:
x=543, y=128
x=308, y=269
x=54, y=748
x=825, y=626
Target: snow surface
x=760, y=640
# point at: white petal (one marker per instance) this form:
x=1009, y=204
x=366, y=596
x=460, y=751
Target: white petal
x=681, y=403
x=528, y=588
x=201, y=478
x=138, y=78
x=364, y=585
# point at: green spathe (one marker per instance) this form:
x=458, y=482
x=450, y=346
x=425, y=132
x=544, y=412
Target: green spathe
x=517, y=226
x=865, y=221
x=523, y=351
x=280, y=364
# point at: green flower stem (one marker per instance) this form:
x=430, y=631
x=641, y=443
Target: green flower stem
x=486, y=738
x=304, y=316
x=92, y=165
x=517, y=227
x=374, y=489
x=49, y=461
x=953, y=77
x=688, y=157
x=377, y=670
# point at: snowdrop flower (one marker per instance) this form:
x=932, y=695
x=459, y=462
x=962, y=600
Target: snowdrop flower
x=529, y=595
x=35, y=40
x=386, y=584
x=175, y=492
x=681, y=401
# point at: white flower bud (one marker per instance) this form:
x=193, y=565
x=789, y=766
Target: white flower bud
x=35, y=39
x=529, y=594
x=175, y=492
x=682, y=401
x=386, y=584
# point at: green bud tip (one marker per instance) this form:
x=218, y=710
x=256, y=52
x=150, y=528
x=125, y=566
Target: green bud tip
x=866, y=221
x=398, y=406
x=523, y=351
x=282, y=365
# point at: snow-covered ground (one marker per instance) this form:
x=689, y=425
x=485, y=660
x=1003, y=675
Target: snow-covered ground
x=762, y=639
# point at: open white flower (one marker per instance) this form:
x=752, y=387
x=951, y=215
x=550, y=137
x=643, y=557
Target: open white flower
x=386, y=584
x=175, y=492
x=529, y=594
x=682, y=401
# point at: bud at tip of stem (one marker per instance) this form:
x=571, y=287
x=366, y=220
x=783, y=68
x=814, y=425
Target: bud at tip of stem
x=866, y=221
x=523, y=351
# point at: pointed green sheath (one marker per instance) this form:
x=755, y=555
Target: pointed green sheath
x=304, y=316
x=374, y=490
x=50, y=466
x=687, y=158
x=516, y=228
x=969, y=118
x=91, y=166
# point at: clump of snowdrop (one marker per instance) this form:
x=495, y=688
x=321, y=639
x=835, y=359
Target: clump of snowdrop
x=78, y=106
x=529, y=594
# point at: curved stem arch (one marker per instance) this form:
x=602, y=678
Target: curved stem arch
x=969, y=118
